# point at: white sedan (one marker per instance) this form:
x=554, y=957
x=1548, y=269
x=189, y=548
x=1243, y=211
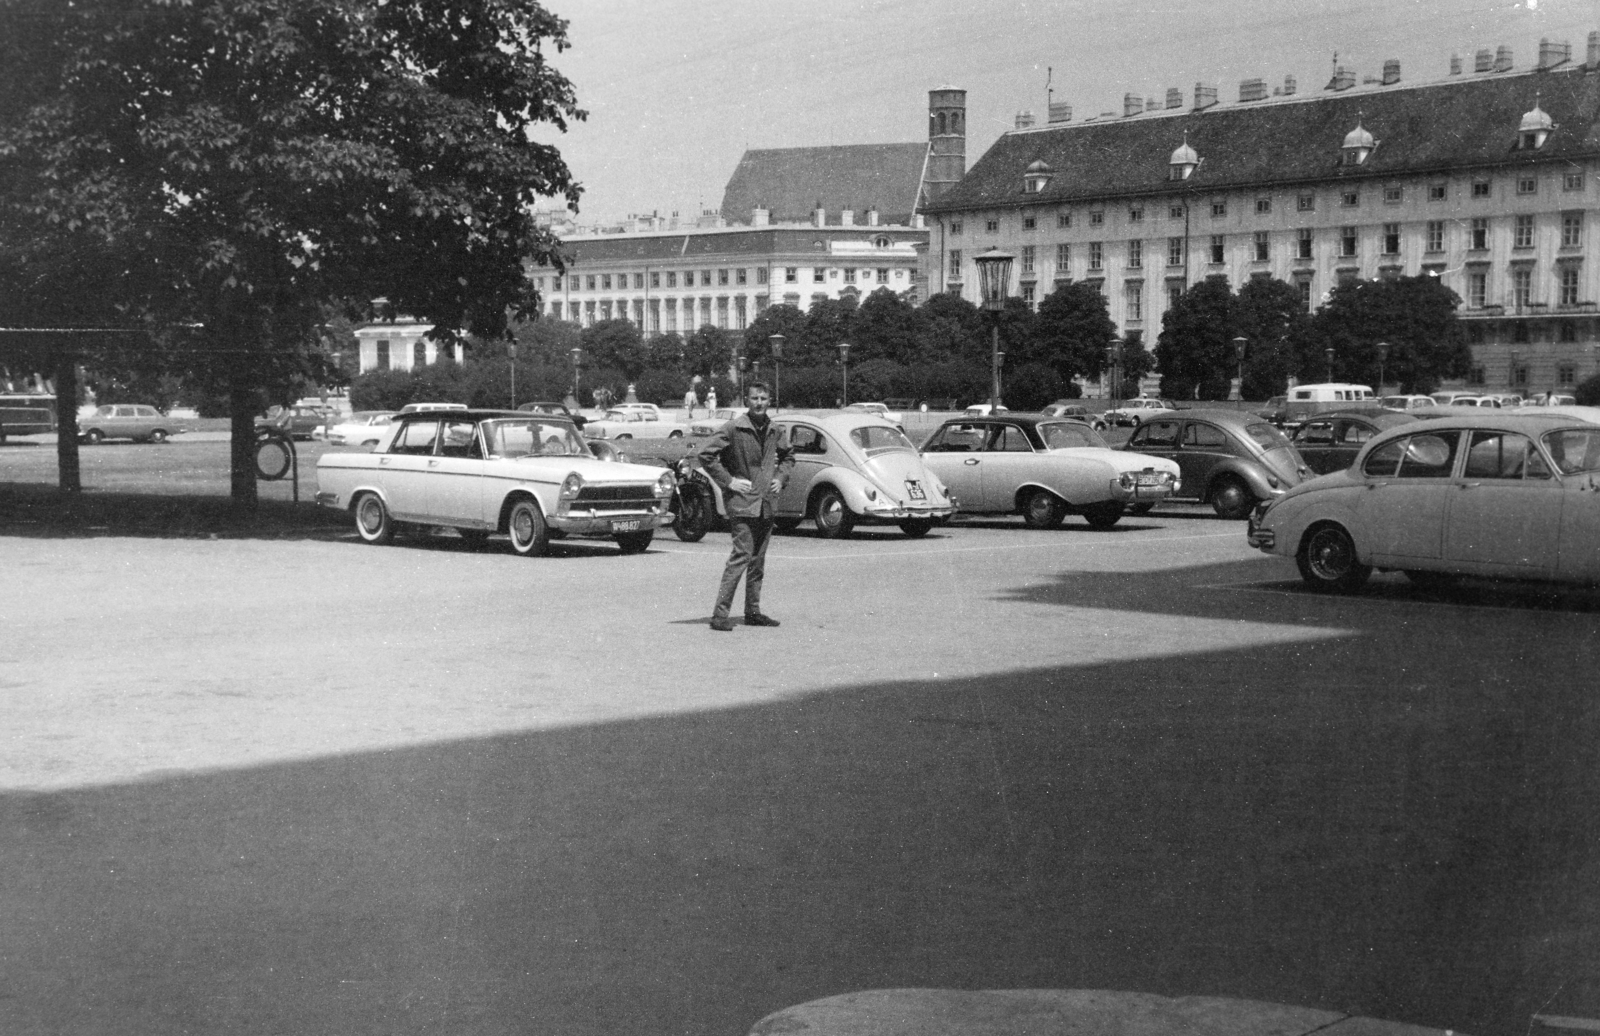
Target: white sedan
x=362, y=428
x=632, y=424
x=530, y=476
x=1138, y=411
x=1471, y=493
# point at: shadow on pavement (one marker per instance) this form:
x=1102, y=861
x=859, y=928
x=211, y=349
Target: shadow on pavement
x=1311, y=822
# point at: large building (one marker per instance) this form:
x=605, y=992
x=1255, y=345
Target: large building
x=1486, y=178
x=796, y=225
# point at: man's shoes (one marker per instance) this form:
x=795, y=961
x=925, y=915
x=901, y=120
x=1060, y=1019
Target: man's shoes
x=722, y=625
x=760, y=620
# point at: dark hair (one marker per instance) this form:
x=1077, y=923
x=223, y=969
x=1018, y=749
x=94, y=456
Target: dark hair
x=752, y=386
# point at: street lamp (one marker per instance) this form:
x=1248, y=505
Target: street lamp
x=844, y=363
x=1328, y=352
x=775, y=345
x=577, y=365
x=994, y=277
x=1239, y=344
x=1383, y=355
x=1114, y=361
x=1511, y=370
x=511, y=351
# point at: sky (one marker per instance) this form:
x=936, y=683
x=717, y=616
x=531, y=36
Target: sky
x=677, y=90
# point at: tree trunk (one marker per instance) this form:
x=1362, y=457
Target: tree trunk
x=70, y=479
x=242, y=424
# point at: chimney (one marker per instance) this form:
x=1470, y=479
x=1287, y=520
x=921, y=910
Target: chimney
x=1174, y=97
x=1060, y=111
x=1151, y=104
x=1502, y=58
x=1391, y=71
x=1594, y=50
x=1024, y=120
x=847, y=217
x=1252, y=90
x=1131, y=105
x=760, y=217
x=1289, y=86
x=1553, y=54
x=1455, y=64
x=1343, y=79
x=1204, y=96
x=820, y=216
x=1483, y=61
x=872, y=216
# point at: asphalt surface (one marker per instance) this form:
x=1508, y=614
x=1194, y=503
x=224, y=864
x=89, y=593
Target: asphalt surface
x=304, y=785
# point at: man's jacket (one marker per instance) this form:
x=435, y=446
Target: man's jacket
x=739, y=451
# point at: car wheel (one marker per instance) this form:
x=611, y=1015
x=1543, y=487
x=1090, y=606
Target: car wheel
x=373, y=523
x=1104, y=515
x=1327, y=560
x=674, y=435
x=916, y=528
x=1042, y=509
x=158, y=435
x=1139, y=509
x=525, y=523
x=94, y=436
x=1231, y=499
x=1134, y=420
x=635, y=542
x=694, y=514
x=620, y=438
x=473, y=537
x=831, y=514
x=1432, y=580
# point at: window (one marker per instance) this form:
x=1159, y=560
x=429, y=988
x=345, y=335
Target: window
x=1261, y=246
x=1176, y=212
x=955, y=228
x=705, y=278
x=1027, y=260
x=1096, y=218
x=883, y=275
x=555, y=284
x=1136, y=215
x=1393, y=195
x=1027, y=295
x=1217, y=245
x=1063, y=220
x=819, y=275
x=722, y=277
x=1503, y=455
x=1347, y=241
x=1480, y=188
x=1568, y=286
x=1303, y=244
x=761, y=275
x=1522, y=286
x=849, y=274
x=605, y=282
x=1306, y=203
x=1135, y=255
x=991, y=226
x=1204, y=436
x=1174, y=293
x=638, y=280
x=1419, y=456
x=1096, y=255
x=1571, y=229
x=655, y=278
x=955, y=264
x=1522, y=234
x=672, y=278
x=1263, y=206
x=1350, y=199
x=589, y=282
x=1219, y=209
x=1029, y=222
x=739, y=276
x=1566, y=374
x=1174, y=251
x=1437, y=192
x=1391, y=239
x=1063, y=259
x=1527, y=184
x=1477, y=374
x=791, y=274
x=1572, y=181
x=1133, y=299
x=1435, y=235
x=1480, y=234
x=1304, y=284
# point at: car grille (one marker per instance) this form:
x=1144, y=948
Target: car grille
x=615, y=498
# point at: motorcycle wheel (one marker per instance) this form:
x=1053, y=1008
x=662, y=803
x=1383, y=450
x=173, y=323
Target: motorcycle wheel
x=693, y=509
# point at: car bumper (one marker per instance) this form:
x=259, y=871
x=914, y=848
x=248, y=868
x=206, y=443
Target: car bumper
x=1144, y=494
x=890, y=513
x=1256, y=535
x=608, y=524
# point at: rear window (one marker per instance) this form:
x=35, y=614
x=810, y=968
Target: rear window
x=880, y=439
x=1268, y=436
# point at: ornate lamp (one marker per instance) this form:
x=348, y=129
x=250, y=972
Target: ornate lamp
x=994, y=279
x=844, y=364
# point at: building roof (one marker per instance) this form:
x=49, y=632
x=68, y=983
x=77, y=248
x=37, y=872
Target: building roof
x=1463, y=123
x=728, y=242
x=793, y=182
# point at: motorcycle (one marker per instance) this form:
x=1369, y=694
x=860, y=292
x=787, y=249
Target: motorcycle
x=697, y=502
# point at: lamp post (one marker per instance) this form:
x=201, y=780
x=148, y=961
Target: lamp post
x=994, y=278
x=1383, y=356
x=1114, y=362
x=775, y=345
x=1511, y=370
x=844, y=364
x=577, y=365
x=1328, y=352
x=1181, y=166
x=1239, y=344
x=511, y=351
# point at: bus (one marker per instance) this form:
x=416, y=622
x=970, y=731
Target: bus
x=26, y=413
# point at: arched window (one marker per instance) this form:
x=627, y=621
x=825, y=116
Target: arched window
x=941, y=123
x=955, y=122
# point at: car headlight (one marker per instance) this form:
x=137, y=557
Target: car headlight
x=666, y=484
x=872, y=494
x=571, y=486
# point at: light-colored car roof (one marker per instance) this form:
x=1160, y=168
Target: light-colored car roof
x=840, y=422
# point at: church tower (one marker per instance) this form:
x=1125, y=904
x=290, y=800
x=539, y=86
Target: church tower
x=947, y=141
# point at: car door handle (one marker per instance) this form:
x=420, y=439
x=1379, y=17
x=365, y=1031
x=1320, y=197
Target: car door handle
x=433, y=464
x=970, y=460
x=383, y=462
x=1471, y=485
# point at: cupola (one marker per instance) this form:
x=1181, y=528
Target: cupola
x=1184, y=161
x=1036, y=177
x=1358, y=144
x=1535, y=128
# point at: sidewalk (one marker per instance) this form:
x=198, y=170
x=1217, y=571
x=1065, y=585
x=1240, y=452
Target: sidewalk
x=1061, y=1012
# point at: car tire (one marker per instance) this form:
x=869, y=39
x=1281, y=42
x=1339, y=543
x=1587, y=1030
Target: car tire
x=274, y=458
x=1232, y=499
x=694, y=510
x=1141, y=509
x=916, y=528
x=525, y=523
x=1327, y=559
x=1103, y=515
x=621, y=438
x=94, y=436
x=373, y=523
x=1042, y=509
x=831, y=515
x=635, y=542
x=158, y=436
x=1134, y=420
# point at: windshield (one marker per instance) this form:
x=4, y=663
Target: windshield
x=1267, y=435
x=533, y=437
x=875, y=438
x=1065, y=435
x=1574, y=449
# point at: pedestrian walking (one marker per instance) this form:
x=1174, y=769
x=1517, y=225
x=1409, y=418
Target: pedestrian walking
x=750, y=459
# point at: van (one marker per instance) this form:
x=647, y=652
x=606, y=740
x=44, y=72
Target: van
x=1305, y=400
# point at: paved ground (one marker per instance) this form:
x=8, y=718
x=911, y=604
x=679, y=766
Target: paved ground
x=304, y=786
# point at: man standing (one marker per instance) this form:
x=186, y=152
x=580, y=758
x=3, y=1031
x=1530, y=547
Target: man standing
x=750, y=460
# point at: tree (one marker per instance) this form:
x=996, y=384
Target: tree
x=614, y=344
x=951, y=328
x=781, y=319
x=234, y=167
x=1073, y=331
x=828, y=322
x=1195, y=349
x=708, y=352
x=1416, y=316
x=1270, y=315
x=886, y=329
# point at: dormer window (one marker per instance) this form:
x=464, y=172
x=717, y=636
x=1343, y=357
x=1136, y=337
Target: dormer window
x=1036, y=177
x=1183, y=162
x=1534, y=129
x=1358, y=145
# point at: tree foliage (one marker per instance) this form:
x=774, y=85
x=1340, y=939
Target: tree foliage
x=1072, y=332
x=1195, y=349
x=1271, y=316
x=1415, y=316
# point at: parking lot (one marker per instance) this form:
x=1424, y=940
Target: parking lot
x=265, y=784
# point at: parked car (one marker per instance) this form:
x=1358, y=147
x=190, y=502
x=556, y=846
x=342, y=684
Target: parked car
x=134, y=421
x=1043, y=468
x=1551, y=399
x=704, y=426
x=1479, y=492
x=1478, y=401
x=984, y=409
x=1306, y=400
x=880, y=409
x=632, y=424
x=297, y=422
x=1229, y=459
x=1408, y=402
x=362, y=428
x=1077, y=412
x=418, y=408
x=1330, y=442
x=529, y=476
x=551, y=407
x=851, y=468
x=1276, y=410
x=1137, y=411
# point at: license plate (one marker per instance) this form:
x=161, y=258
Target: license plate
x=628, y=526
x=1148, y=479
x=915, y=489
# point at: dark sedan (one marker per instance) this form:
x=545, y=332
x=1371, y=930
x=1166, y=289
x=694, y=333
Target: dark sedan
x=1330, y=441
x=1228, y=458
